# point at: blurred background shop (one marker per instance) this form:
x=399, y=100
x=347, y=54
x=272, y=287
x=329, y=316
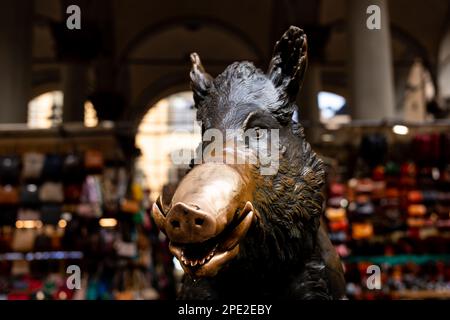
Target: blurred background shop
x=90, y=117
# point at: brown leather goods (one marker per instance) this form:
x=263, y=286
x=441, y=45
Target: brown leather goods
x=93, y=160
x=335, y=214
x=9, y=169
x=51, y=192
x=417, y=210
x=129, y=206
x=23, y=239
x=340, y=225
x=9, y=195
x=415, y=196
x=28, y=214
x=33, y=163
x=362, y=230
x=72, y=193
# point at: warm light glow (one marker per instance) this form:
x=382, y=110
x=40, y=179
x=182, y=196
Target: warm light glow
x=62, y=295
x=62, y=223
x=40, y=295
x=28, y=224
x=45, y=110
x=90, y=115
x=108, y=222
x=400, y=129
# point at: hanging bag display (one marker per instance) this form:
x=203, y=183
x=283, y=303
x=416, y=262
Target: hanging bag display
x=9, y=169
x=93, y=160
x=29, y=195
x=52, y=167
x=23, y=240
x=73, y=168
x=72, y=193
x=51, y=192
x=28, y=214
x=33, y=163
x=9, y=195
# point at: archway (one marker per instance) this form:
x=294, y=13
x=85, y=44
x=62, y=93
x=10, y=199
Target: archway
x=46, y=111
x=167, y=130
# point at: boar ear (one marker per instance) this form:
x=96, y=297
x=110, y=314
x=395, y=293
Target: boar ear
x=288, y=64
x=201, y=81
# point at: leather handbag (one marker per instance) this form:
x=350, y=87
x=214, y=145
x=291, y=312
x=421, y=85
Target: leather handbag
x=43, y=242
x=9, y=195
x=72, y=193
x=6, y=237
x=29, y=195
x=426, y=149
x=28, y=214
x=340, y=225
x=335, y=214
x=337, y=189
x=73, y=168
x=51, y=192
x=362, y=230
x=129, y=206
x=89, y=210
x=33, y=163
x=9, y=169
x=340, y=236
x=445, y=148
x=53, y=165
x=415, y=222
x=373, y=148
x=93, y=160
x=137, y=192
x=126, y=249
x=417, y=210
x=23, y=240
x=91, y=191
x=415, y=196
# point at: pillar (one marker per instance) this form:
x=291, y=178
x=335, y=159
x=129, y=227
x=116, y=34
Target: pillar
x=15, y=59
x=370, y=59
x=75, y=88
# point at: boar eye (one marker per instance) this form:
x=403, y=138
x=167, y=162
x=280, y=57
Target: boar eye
x=259, y=133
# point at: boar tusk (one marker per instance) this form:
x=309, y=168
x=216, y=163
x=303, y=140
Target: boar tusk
x=159, y=217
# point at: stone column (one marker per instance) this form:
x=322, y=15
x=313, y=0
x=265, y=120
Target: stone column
x=370, y=60
x=15, y=59
x=75, y=79
x=309, y=102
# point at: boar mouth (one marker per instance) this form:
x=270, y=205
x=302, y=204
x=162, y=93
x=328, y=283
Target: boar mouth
x=205, y=259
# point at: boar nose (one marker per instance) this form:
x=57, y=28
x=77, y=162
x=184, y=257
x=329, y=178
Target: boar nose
x=189, y=224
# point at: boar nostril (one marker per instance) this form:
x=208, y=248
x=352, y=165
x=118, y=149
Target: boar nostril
x=199, y=221
x=175, y=223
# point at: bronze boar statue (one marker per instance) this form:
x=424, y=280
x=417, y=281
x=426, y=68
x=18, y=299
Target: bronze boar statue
x=239, y=233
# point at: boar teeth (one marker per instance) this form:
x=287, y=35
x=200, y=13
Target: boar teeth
x=199, y=262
